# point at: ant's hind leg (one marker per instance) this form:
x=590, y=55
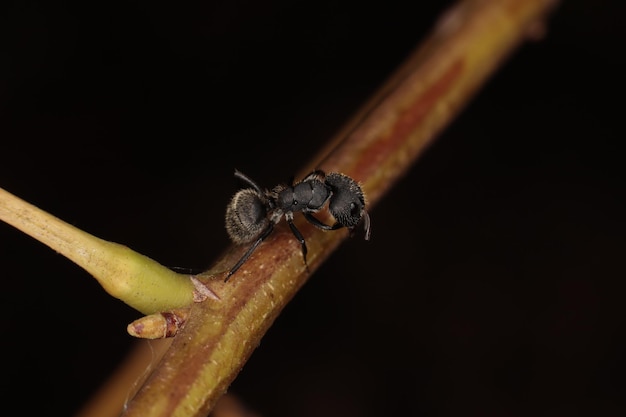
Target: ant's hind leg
x=251, y=249
x=243, y=177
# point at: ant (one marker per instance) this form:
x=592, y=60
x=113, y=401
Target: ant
x=253, y=212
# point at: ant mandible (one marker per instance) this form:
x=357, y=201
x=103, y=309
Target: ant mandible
x=253, y=212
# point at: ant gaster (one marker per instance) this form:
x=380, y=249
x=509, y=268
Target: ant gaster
x=253, y=212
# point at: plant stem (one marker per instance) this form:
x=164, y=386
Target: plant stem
x=125, y=274
x=376, y=148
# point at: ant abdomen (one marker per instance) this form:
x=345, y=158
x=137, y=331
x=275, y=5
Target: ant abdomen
x=246, y=216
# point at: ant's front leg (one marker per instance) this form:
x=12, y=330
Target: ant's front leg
x=315, y=222
x=320, y=225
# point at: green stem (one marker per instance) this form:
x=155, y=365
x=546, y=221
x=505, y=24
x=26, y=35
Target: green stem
x=135, y=279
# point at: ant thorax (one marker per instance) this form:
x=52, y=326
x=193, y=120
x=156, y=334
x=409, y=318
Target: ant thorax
x=309, y=196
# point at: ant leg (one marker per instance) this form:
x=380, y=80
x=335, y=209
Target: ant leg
x=300, y=238
x=251, y=249
x=315, y=222
x=318, y=174
x=240, y=175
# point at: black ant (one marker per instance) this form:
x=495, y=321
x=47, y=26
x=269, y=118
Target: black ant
x=253, y=212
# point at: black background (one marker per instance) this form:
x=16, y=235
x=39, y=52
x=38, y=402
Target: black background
x=494, y=281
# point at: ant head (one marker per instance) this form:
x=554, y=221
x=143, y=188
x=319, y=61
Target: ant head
x=347, y=204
